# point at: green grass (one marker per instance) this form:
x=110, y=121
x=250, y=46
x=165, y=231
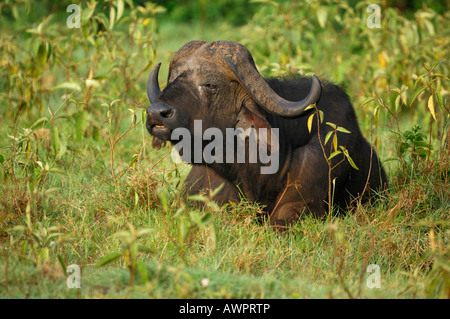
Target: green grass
x=81, y=184
x=240, y=258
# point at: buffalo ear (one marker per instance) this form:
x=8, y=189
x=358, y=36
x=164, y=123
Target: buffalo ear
x=248, y=119
x=158, y=143
x=254, y=120
x=251, y=115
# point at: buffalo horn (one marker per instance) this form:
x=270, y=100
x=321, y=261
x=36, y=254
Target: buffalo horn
x=255, y=84
x=153, y=89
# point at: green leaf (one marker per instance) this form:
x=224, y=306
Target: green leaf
x=334, y=154
x=120, y=7
x=309, y=107
x=68, y=86
x=419, y=78
x=143, y=116
x=86, y=13
x=134, y=159
x=310, y=119
x=335, y=142
x=42, y=54
x=327, y=137
x=397, y=103
x=101, y=18
x=368, y=100
x=439, y=75
x=347, y=155
x=321, y=116
x=416, y=94
x=112, y=17
x=42, y=119
x=376, y=115
x=322, y=14
x=109, y=259
x=350, y=160
x=343, y=130
x=63, y=264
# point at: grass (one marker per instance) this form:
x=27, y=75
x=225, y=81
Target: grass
x=316, y=260
x=239, y=257
x=81, y=184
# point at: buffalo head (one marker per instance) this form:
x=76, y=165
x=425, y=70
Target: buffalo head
x=219, y=84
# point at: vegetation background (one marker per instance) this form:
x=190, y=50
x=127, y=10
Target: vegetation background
x=81, y=185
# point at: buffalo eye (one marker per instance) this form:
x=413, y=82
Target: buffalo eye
x=211, y=87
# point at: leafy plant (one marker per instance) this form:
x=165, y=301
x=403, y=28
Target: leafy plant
x=35, y=241
x=333, y=151
x=129, y=252
x=414, y=145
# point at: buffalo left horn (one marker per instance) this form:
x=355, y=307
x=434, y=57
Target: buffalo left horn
x=153, y=89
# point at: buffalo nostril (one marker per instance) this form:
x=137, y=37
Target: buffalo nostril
x=166, y=113
x=160, y=110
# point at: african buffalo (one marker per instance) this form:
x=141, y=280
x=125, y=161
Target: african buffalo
x=218, y=83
